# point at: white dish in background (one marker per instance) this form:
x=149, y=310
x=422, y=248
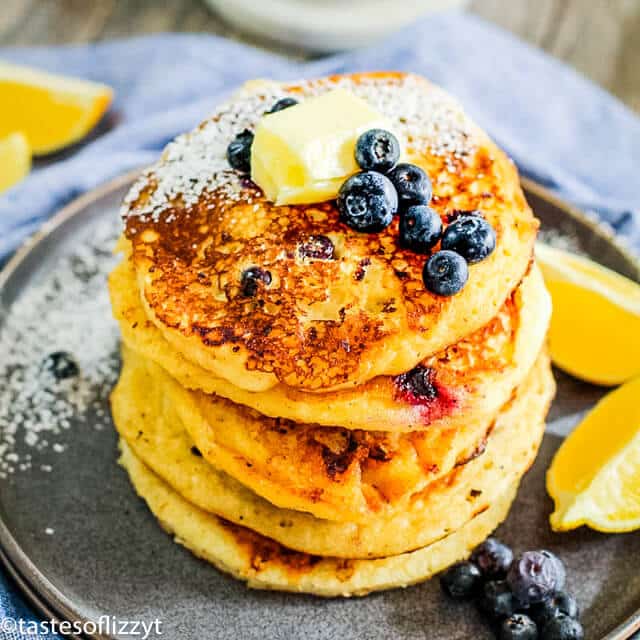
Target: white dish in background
x=325, y=25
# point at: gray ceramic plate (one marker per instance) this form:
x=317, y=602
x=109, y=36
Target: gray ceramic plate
x=83, y=546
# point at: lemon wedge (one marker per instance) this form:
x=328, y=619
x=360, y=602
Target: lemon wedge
x=51, y=111
x=15, y=160
x=594, y=478
x=595, y=328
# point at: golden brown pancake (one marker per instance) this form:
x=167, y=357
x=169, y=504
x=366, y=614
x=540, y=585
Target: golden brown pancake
x=466, y=383
x=148, y=419
x=194, y=226
x=265, y=564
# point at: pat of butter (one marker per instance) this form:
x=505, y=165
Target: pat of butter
x=303, y=154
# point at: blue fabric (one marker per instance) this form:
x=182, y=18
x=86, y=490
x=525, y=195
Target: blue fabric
x=560, y=129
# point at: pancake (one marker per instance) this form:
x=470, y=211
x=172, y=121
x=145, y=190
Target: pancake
x=265, y=564
x=194, y=226
x=330, y=472
x=151, y=426
x=469, y=381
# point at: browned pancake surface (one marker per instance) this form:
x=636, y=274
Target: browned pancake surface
x=318, y=324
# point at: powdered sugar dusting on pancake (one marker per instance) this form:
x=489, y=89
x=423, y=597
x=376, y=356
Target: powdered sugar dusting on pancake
x=195, y=163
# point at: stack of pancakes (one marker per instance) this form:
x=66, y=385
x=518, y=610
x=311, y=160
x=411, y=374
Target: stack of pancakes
x=334, y=428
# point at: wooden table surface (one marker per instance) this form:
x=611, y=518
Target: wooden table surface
x=601, y=38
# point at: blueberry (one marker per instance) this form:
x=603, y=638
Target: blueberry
x=559, y=602
x=535, y=576
x=377, y=150
x=471, y=236
x=411, y=183
x=239, y=151
x=420, y=228
x=317, y=248
x=461, y=581
x=445, y=273
x=518, y=627
x=497, y=600
x=562, y=627
x=367, y=202
x=493, y=558
x=283, y=103
x=420, y=382
x=61, y=365
x=250, y=280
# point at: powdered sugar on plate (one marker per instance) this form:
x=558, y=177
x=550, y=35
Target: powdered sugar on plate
x=66, y=310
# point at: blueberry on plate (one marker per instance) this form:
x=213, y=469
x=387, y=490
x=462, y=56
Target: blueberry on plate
x=518, y=627
x=250, y=279
x=420, y=228
x=471, y=236
x=377, y=150
x=61, y=365
x=535, y=576
x=411, y=183
x=445, y=273
x=493, y=558
x=559, y=602
x=367, y=202
x=497, y=600
x=461, y=581
x=283, y=103
x=239, y=151
x=562, y=627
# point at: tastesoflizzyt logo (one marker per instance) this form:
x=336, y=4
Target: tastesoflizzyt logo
x=105, y=625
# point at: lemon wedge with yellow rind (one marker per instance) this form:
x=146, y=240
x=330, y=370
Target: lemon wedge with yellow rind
x=15, y=160
x=594, y=478
x=595, y=327
x=52, y=111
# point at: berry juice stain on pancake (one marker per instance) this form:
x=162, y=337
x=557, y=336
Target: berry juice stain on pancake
x=419, y=387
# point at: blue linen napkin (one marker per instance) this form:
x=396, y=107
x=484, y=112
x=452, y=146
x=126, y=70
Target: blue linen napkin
x=560, y=129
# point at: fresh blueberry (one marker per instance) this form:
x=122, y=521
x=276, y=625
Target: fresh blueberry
x=283, y=103
x=61, y=365
x=367, y=202
x=445, y=273
x=250, y=280
x=239, y=151
x=420, y=228
x=493, y=558
x=559, y=602
x=461, y=581
x=518, y=627
x=471, y=236
x=411, y=183
x=562, y=627
x=377, y=150
x=497, y=600
x=535, y=576
x=317, y=248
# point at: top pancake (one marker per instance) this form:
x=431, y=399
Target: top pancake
x=195, y=226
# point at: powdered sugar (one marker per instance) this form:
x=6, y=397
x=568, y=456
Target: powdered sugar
x=195, y=163
x=67, y=310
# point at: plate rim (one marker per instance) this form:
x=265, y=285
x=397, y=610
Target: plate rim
x=39, y=591
x=33, y=599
